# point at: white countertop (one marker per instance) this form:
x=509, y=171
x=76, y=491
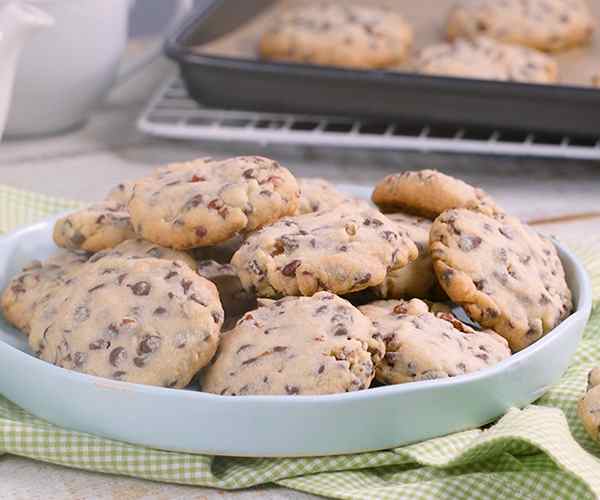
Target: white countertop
x=87, y=163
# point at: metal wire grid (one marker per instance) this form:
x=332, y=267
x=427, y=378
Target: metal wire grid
x=172, y=113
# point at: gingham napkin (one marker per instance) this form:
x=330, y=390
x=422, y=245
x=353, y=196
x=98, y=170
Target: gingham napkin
x=539, y=452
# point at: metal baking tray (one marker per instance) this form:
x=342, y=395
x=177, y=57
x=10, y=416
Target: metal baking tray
x=252, y=84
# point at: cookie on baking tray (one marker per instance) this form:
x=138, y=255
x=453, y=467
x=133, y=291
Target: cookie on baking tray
x=206, y=201
x=147, y=321
x=348, y=248
x=485, y=58
x=421, y=345
x=505, y=275
x=542, y=24
x=342, y=34
x=428, y=193
x=298, y=345
x=27, y=289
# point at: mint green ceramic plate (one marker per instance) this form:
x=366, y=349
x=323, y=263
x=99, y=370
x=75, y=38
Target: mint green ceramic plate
x=276, y=426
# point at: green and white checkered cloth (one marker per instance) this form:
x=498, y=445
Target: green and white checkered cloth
x=541, y=451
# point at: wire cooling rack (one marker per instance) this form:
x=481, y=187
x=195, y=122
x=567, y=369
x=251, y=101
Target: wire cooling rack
x=172, y=113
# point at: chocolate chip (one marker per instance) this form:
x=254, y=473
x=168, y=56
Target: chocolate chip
x=79, y=359
x=121, y=278
x=186, y=284
x=81, y=313
x=469, y=243
x=141, y=288
x=321, y=369
x=159, y=311
x=139, y=362
x=292, y=389
x=290, y=269
x=117, y=356
x=119, y=375
x=340, y=331
x=149, y=344
x=99, y=344
x=201, y=232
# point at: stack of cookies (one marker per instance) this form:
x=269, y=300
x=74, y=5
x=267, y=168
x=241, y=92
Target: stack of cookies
x=267, y=284
x=487, y=39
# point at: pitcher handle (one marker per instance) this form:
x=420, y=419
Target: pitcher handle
x=182, y=8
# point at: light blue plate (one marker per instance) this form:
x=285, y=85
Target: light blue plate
x=276, y=426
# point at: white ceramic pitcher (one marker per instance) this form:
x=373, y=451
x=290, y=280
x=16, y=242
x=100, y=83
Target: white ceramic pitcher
x=18, y=21
x=68, y=70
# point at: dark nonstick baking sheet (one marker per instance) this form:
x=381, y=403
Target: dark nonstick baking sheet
x=216, y=52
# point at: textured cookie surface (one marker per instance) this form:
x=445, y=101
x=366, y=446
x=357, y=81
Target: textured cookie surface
x=541, y=24
x=205, y=202
x=318, y=194
x=422, y=346
x=148, y=321
x=338, y=34
x=298, y=345
x=486, y=58
x=140, y=249
x=32, y=286
x=94, y=228
x=342, y=250
x=506, y=276
x=416, y=279
x=428, y=193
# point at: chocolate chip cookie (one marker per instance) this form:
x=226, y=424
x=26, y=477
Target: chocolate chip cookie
x=140, y=249
x=206, y=201
x=338, y=34
x=121, y=193
x=416, y=279
x=485, y=58
x=428, y=193
x=94, y=228
x=423, y=346
x=342, y=250
x=147, y=321
x=234, y=298
x=505, y=275
x=35, y=282
x=542, y=24
x=588, y=407
x=318, y=194
x=298, y=345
